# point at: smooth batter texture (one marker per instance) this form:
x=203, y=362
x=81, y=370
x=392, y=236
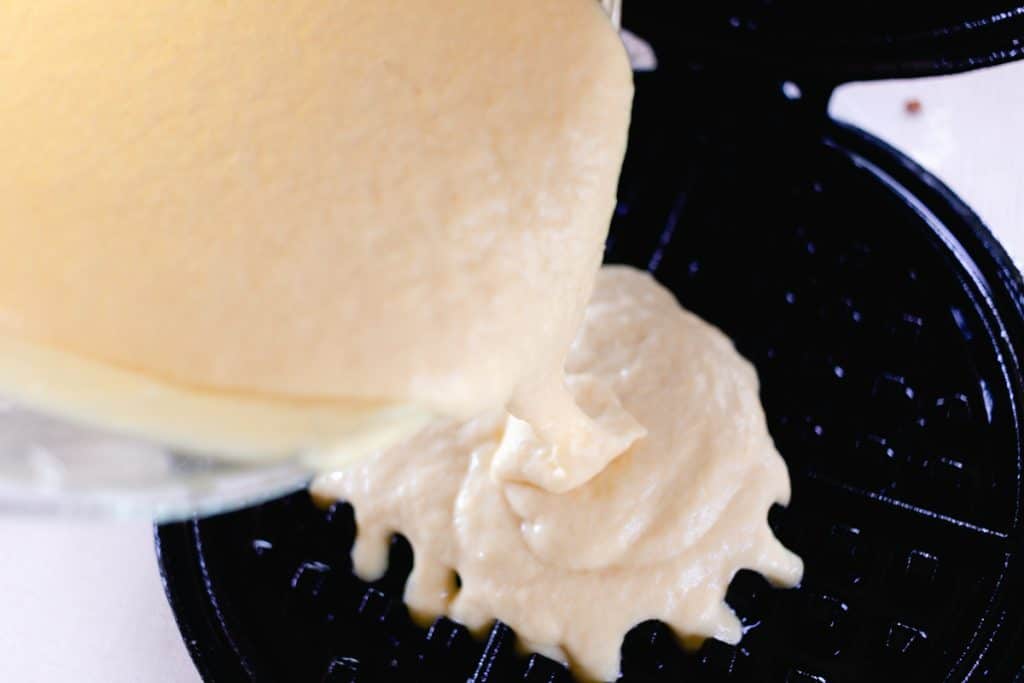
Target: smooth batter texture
x=339, y=205
x=658, y=534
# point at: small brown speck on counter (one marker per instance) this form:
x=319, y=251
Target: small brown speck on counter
x=913, y=106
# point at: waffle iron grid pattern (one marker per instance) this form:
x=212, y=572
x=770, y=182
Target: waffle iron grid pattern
x=885, y=393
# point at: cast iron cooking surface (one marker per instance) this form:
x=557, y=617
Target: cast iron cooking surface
x=879, y=314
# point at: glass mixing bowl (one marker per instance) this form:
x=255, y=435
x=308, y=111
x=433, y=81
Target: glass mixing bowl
x=50, y=465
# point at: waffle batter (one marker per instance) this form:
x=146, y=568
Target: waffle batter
x=256, y=228
x=658, y=534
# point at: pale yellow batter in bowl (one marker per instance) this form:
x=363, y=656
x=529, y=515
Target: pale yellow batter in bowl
x=341, y=205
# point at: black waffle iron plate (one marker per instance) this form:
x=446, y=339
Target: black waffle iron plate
x=886, y=325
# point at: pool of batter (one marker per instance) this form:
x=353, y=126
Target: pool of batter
x=657, y=534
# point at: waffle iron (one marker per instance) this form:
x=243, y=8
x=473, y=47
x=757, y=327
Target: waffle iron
x=886, y=324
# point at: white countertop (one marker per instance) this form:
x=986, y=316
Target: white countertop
x=969, y=132
x=82, y=601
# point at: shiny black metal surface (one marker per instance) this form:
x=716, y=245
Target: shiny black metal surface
x=832, y=41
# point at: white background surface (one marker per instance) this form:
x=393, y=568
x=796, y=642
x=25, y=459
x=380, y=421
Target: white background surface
x=82, y=601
